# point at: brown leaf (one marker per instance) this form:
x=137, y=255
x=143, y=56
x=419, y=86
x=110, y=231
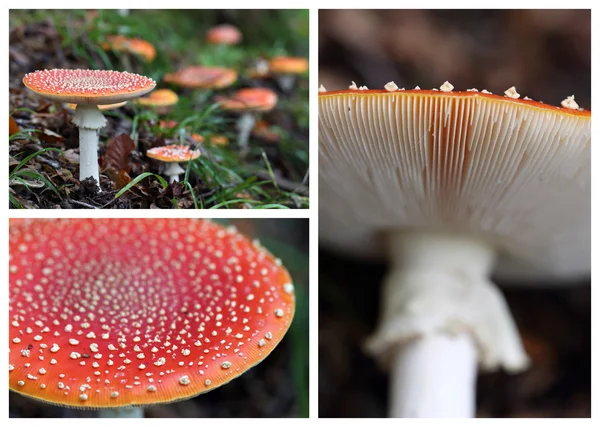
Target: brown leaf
x=13, y=127
x=50, y=137
x=117, y=153
x=123, y=179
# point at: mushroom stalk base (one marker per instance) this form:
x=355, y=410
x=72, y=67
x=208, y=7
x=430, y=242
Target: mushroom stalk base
x=125, y=412
x=89, y=120
x=423, y=384
x=438, y=287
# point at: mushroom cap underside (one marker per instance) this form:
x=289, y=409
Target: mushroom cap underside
x=124, y=312
x=514, y=173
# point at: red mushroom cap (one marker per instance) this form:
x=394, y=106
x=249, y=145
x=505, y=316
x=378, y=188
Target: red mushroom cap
x=173, y=153
x=250, y=99
x=137, y=46
x=199, y=77
x=92, y=87
x=120, y=312
x=224, y=34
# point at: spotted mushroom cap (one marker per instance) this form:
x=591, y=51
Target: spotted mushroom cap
x=173, y=153
x=224, y=34
x=288, y=65
x=250, y=99
x=122, y=312
x=513, y=172
x=136, y=46
x=199, y=77
x=159, y=98
x=92, y=87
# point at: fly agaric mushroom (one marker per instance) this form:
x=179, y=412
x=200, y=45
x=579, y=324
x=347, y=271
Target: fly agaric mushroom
x=88, y=89
x=114, y=313
x=287, y=68
x=458, y=180
x=199, y=77
x=136, y=46
x=224, y=34
x=162, y=100
x=248, y=102
x=173, y=155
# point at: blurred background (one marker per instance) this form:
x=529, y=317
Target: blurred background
x=276, y=387
x=547, y=56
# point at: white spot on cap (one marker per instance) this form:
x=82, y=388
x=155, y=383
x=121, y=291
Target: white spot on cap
x=226, y=365
x=512, y=93
x=322, y=89
x=83, y=396
x=391, y=86
x=446, y=87
x=353, y=86
x=207, y=383
x=288, y=288
x=114, y=394
x=569, y=103
x=262, y=343
x=185, y=380
x=279, y=312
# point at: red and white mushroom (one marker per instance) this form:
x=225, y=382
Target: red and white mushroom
x=109, y=313
x=173, y=155
x=451, y=186
x=248, y=102
x=88, y=89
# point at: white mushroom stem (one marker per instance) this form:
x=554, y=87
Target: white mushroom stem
x=434, y=377
x=244, y=125
x=286, y=82
x=173, y=170
x=437, y=294
x=89, y=120
x=124, y=412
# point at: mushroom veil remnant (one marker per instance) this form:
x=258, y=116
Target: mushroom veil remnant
x=451, y=187
x=113, y=313
x=88, y=89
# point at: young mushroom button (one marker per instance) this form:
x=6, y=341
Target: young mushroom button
x=88, y=89
x=107, y=313
x=173, y=155
x=464, y=184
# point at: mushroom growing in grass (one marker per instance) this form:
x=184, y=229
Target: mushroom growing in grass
x=173, y=155
x=112, y=314
x=88, y=89
x=286, y=69
x=161, y=100
x=134, y=46
x=248, y=103
x=199, y=77
x=225, y=34
x=450, y=187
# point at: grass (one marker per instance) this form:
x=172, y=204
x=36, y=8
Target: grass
x=221, y=177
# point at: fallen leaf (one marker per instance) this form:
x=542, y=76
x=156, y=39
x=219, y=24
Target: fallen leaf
x=117, y=153
x=13, y=127
x=50, y=137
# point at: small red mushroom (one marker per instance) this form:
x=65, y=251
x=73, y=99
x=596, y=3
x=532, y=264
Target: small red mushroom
x=108, y=313
x=173, y=155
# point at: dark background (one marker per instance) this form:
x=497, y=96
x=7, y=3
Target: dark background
x=276, y=387
x=547, y=56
